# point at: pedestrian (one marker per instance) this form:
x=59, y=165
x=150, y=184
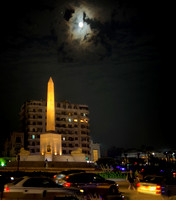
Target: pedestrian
x=46, y=163
x=131, y=179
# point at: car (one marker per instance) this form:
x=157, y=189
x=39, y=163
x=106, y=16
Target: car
x=92, y=183
x=37, y=188
x=151, y=185
x=62, y=174
x=168, y=189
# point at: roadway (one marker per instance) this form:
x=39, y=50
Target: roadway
x=131, y=194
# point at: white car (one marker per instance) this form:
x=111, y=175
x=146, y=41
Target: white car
x=150, y=185
x=39, y=188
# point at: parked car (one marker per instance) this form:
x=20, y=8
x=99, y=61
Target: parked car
x=62, y=174
x=37, y=188
x=151, y=185
x=92, y=183
x=168, y=189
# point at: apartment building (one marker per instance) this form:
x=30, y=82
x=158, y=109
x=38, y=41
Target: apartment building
x=13, y=144
x=71, y=121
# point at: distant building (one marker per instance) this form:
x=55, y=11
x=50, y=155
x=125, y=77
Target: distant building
x=71, y=121
x=95, y=151
x=150, y=157
x=142, y=155
x=13, y=144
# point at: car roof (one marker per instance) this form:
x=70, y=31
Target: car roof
x=84, y=177
x=152, y=179
x=66, y=172
x=83, y=174
x=24, y=178
x=33, y=179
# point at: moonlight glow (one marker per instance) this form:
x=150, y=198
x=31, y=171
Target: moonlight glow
x=79, y=29
x=81, y=24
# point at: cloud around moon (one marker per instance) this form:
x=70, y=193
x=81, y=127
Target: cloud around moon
x=80, y=43
x=109, y=29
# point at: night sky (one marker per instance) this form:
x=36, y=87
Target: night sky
x=118, y=63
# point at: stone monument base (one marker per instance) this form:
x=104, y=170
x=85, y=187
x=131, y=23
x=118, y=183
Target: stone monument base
x=76, y=156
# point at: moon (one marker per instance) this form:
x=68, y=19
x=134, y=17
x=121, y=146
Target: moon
x=81, y=24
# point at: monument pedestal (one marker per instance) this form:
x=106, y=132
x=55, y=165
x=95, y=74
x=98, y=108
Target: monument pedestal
x=48, y=157
x=50, y=145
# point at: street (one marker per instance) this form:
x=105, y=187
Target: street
x=133, y=194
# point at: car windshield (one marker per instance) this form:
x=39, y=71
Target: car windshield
x=17, y=180
x=98, y=179
x=152, y=179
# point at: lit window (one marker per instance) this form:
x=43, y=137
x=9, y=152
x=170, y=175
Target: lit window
x=69, y=119
x=33, y=136
x=81, y=120
x=75, y=120
x=63, y=138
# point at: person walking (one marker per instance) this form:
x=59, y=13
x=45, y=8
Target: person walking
x=46, y=164
x=131, y=179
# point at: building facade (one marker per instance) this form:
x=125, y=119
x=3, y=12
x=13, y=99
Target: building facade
x=13, y=144
x=71, y=121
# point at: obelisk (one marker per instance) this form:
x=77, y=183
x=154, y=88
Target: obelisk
x=50, y=125
x=50, y=142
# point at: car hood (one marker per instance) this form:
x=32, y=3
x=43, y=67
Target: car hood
x=110, y=182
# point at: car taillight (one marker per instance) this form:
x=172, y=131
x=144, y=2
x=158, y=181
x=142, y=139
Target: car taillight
x=54, y=176
x=138, y=184
x=67, y=184
x=6, y=189
x=158, y=189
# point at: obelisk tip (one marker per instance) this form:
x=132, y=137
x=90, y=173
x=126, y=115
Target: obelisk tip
x=50, y=79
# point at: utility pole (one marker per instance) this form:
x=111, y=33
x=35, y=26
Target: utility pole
x=18, y=162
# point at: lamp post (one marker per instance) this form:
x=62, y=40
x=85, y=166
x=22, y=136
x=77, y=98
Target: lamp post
x=18, y=162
